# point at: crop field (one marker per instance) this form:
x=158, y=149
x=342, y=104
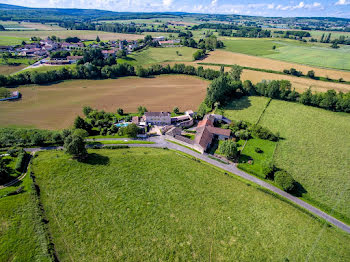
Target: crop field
x=22, y=236
x=230, y=58
x=320, y=55
x=16, y=37
x=7, y=70
x=13, y=25
x=55, y=106
x=299, y=83
x=314, y=149
x=161, y=55
x=155, y=204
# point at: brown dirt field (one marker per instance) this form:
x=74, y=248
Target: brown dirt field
x=82, y=34
x=56, y=106
x=300, y=84
x=230, y=58
x=6, y=69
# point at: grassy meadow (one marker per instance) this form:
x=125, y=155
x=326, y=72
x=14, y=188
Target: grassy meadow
x=155, y=204
x=160, y=55
x=319, y=55
x=7, y=69
x=314, y=148
x=22, y=237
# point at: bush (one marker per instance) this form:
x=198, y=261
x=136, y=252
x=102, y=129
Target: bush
x=285, y=180
x=228, y=148
x=20, y=162
x=258, y=150
x=116, y=147
x=268, y=169
x=264, y=133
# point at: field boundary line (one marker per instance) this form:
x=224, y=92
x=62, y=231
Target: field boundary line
x=262, y=113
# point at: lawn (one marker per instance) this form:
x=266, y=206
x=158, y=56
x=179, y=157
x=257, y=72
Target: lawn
x=160, y=55
x=155, y=204
x=55, y=106
x=248, y=108
x=22, y=237
x=315, y=150
x=249, y=153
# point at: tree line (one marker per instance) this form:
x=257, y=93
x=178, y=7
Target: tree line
x=228, y=86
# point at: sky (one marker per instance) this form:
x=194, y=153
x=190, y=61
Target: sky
x=285, y=8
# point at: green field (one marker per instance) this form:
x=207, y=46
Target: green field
x=124, y=142
x=314, y=149
x=257, y=47
x=249, y=153
x=22, y=236
x=159, y=205
x=320, y=55
x=247, y=108
x=160, y=55
x=12, y=40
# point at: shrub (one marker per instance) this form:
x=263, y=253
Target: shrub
x=285, y=180
x=264, y=133
x=258, y=150
x=20, y=162
x=116, y=147
x=81, y=132
x=268, y=169
x=228, y=148
x=75, y=146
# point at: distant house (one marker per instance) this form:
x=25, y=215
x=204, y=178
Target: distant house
x=107, y=53
x=157, y=118
x=74, y=58
x=169, y=42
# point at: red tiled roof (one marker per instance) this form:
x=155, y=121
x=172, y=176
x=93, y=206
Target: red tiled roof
x=203, y=137
x=219, y=131
x=205, y=122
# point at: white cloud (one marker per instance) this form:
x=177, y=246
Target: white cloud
x=301, y=5
x=167, y=3
x=343, y=2
x=214, y=2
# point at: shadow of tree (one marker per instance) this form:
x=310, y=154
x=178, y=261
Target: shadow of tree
x=298, y=190
x=96, y=159
x=238, y=104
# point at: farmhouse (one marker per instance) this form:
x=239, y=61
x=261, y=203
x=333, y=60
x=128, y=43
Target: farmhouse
x=206, y=132
x=157, y=118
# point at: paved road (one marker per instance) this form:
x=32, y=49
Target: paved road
x=160, y=142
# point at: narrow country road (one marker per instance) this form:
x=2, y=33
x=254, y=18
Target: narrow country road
x=160, y=142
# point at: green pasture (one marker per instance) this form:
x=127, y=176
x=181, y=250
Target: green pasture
x=247, y=108
x=12, y=40
x=314, y=148
x=257, y=47
x=145, y=204
x=122, y=142
x=160, y=55
x=22, y=236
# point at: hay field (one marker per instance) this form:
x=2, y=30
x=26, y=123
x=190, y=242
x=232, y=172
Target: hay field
x=82, y=34
x=227, y=57
x=55, y=106
x=6, y=69
x=299, y=83
x=146, y=204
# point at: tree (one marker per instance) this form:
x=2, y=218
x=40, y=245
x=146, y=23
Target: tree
x=141, y=72
x=311, y=74
x=98, y=39
x=75, y=146
x=176, y=110
x=248, y=87
x=87, y=110
x=131, y=130
x=141, y=110
x=120, y=111
x=121, y=53
x=198, y=54
x=236, y=72
x=335, y=45
x=81, y=132
x=306, y=97
x=285, y=180
x=4, y=92
x=228, y=148
x=267, y=169
x=4, y=171
x=79, y=123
